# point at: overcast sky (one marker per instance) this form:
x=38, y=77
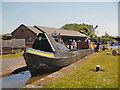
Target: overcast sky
x=57, y=14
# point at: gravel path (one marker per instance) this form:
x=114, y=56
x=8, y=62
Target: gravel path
x=9, y=65
x=12, y=62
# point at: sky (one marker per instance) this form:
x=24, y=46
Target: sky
x=57, y=14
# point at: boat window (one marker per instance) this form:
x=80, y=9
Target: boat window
x=41, y=43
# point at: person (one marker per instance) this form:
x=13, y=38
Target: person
x=61, y=41
x=74, y=44
x=90, y=44
x=79, y=41
x=98, y=44
x=114, y=52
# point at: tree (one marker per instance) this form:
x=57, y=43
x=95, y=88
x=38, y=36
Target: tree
x=76, y=27
x=117, y=36
x=106, y=35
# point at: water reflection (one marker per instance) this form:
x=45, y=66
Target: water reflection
x=114, y=47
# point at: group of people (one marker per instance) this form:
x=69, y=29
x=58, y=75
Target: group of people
x=74, y=44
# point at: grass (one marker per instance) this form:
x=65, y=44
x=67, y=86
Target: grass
x=81, y=77
x=10, y=56
x=108, y=39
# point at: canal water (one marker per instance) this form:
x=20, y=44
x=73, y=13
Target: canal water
x=114, y=47
x=20, y=80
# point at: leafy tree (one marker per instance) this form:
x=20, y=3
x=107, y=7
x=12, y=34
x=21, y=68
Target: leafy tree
x=106, y=35
x=117, y=36
x=76, y=27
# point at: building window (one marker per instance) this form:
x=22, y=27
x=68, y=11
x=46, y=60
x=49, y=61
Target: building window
x=22, y=30
x=30, y=38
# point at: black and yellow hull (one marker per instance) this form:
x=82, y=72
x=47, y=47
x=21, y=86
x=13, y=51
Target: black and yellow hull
x=42, y=62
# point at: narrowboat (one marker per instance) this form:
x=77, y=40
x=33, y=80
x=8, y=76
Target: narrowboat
x=48, y=55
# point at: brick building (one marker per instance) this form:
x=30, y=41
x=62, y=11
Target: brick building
x=29, y=33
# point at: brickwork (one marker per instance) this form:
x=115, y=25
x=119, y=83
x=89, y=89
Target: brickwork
x=23, y=32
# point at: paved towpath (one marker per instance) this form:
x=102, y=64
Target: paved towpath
x=9, y=65
x=12, y=62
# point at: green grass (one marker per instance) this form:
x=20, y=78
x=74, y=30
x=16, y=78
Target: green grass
x=81, y=77
x=10, y=56
x=108, y=39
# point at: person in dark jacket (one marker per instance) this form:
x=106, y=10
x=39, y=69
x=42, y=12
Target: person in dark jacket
x=97, y=47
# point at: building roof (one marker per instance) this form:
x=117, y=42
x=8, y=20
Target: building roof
x=35, y=30
x=15, y=43
x=50, y=30
x=31, y=28
x=61, y=31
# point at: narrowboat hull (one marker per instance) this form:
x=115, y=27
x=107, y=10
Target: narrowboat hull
x=38, y=64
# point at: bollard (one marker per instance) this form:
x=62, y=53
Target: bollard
x=97, y=68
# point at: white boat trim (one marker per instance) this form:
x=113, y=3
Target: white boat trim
x=49, y=42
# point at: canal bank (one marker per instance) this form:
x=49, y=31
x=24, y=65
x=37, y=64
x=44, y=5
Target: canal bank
x=79, y=75
x=11, y=64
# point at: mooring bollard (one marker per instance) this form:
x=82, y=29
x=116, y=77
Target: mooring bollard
x=97, y=68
